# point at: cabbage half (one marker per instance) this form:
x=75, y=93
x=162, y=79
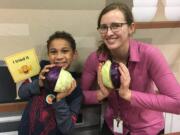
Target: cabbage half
x=110, y=75
x=64, y=81
x=106, y=78
x=58, y=80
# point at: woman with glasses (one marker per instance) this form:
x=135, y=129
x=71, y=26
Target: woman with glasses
x=135, y=108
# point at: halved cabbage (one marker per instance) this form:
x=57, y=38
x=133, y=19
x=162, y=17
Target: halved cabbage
x=58, y=80
x=111, y=75
x=64, y=81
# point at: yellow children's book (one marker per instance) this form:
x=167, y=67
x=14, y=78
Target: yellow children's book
x=23, y=65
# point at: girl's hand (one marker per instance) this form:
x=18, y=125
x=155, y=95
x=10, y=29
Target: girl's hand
x=103, y=92
x=62, y=95
x=125, y=79
x=42, y=74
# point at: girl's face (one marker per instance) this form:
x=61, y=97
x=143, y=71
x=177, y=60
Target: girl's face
x=117, y=30
x=60, y=53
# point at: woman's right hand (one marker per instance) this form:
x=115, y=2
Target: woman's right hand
x=103, y=92
x=42, y=74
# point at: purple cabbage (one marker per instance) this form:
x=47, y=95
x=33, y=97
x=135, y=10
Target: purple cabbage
x=51, y=78
x=115, y=75
x=111, y=75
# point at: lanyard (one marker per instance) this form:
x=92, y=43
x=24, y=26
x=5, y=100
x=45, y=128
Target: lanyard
x=116, y=106
x=117, y=99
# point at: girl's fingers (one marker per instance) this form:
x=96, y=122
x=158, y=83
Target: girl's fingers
x=49, y=66
x=73, y=86
x=45, y=70
x=42, y=77
x=61, y=95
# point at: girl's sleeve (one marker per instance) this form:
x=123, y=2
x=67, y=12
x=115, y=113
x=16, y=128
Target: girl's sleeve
x=89, y=78
x=66, y=112
x=28, y=89
x=168, y=98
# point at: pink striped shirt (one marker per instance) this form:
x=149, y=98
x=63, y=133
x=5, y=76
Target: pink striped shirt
x=143, y=115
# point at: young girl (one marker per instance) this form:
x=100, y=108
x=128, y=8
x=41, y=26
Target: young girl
x=136, y=106
x=39, y=117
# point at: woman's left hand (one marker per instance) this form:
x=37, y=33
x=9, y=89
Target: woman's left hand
x=125, y=79
x=62, y=95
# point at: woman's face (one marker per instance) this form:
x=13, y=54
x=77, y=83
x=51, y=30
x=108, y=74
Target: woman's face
x=118, y=31
x=61, y=53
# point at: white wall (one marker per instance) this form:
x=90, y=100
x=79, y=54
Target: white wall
x=42, y=23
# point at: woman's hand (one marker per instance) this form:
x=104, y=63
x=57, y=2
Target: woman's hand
x=125, y=79
x=42, y=74
x=103, y=92
x=62, y=95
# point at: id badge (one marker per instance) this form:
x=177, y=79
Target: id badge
x=118, y=126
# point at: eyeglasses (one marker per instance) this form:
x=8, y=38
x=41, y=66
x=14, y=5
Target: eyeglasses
x=115, y=27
